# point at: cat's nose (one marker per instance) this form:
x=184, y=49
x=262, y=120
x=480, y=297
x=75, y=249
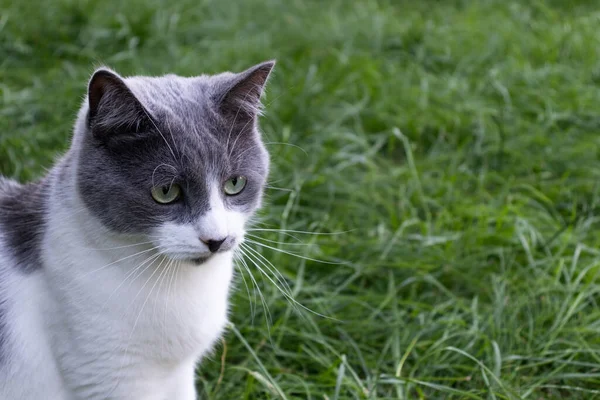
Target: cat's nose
x=214, y=245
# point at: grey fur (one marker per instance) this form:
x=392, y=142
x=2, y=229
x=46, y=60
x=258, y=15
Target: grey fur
x=3, y=331
x=22, y=221
x=145, y=131
x=21, y=228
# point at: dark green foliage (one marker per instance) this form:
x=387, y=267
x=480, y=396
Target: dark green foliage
x=451, y=146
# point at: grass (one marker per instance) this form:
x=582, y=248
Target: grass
x=450, y=159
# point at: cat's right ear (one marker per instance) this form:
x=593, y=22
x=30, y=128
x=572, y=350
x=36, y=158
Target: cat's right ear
x=113, y=110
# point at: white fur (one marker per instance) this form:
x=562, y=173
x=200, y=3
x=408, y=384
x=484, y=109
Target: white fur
x=188, y=240
x=25, y=319
x=94, y=327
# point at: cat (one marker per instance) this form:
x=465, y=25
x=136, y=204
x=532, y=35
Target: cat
x=115, y=268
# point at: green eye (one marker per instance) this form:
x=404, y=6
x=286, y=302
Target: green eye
x=166, y=194
x=235, y=185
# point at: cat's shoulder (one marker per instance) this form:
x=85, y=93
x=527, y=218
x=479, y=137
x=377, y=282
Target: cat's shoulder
x=23, y=220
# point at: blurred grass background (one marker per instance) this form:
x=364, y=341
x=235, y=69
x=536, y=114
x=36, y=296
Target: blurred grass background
x=454, y=143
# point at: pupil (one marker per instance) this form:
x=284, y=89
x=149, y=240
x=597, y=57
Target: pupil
x=165, y=190
x=234, y=181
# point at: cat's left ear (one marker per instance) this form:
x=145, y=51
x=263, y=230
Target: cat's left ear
x=239, y=96
x=113, y=109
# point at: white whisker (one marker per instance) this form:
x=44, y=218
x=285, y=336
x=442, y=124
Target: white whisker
x=300, y=232
x=118, y=261
x=117, y=247
x=267, y=264
x=237, y=260
x=262, y=298
x=141, y=308
x=287, y=295
x=277, y=242
x=293, y=254
x=232, y=125
x=159, y=132
x=287, y=144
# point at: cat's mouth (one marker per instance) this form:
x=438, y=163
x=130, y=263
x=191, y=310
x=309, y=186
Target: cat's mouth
x=199, y=260
x=189, y=258
x=194, y=257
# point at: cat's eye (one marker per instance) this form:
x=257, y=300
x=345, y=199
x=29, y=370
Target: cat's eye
x=166, y=194
x=235, y=185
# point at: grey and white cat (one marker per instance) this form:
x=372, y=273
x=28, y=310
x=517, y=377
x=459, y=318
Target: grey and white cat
x=115, y=268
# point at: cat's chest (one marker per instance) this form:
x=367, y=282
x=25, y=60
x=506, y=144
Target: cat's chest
x=191, y=312
x=178, y=313
x=167, y=313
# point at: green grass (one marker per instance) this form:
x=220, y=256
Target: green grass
x=454, y=143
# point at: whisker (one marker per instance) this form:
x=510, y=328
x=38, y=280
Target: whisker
x=124, y=354
x=276, y=242
x=237, y=261
x=162, y=165
x=143, y=304
x=270, y=267
x=150, y=259
x=160, y=133
x=161, y=278
x=244, y=152
x=262, y=298
x=278, y=188
x=233, y=124
x=140, y=273
x=164, y=271
x=238, y=136
x=118, y=247
x=300, y=232
x=170, y=285
x=118, y=261
x=294, y=254
x=289, y=296
x=173, y=138
x=148, y=280
x=129, y=274
x=287, y=144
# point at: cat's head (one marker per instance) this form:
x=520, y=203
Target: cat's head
x=178, y=161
